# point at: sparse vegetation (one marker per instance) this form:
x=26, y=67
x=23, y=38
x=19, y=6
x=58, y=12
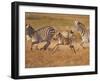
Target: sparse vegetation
x=64, y=56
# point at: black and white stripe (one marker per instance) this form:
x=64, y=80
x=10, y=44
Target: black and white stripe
x=40, y=35
x=29, y=31
x=84, y=32
x=67, y=39
x=80, y=27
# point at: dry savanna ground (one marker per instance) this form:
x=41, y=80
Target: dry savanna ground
x=63, y=55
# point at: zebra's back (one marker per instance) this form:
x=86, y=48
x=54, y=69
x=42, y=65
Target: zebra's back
x=45, y=33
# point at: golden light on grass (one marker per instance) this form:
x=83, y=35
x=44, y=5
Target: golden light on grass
x=63, y=56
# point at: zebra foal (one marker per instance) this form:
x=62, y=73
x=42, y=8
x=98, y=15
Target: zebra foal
x=68, y=40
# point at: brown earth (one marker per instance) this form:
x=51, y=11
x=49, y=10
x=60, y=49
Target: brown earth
x=63, y=56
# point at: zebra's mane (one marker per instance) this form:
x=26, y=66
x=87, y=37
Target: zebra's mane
x=43, y=28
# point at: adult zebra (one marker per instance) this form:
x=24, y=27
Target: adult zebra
x=84, y=32
x=44, y=34
x=80, y=27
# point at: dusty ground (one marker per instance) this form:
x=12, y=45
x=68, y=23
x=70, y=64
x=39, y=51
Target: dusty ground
x=63, y=56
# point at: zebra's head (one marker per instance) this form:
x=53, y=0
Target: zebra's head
x=57, y=36
x=78, y=25
x=29, y=31
x=76, y=22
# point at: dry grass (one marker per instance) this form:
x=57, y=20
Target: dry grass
x=63, y=56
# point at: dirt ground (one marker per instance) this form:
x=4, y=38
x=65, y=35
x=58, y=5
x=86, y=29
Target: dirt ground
x=63, y=56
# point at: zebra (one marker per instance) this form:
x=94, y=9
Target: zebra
x=84, y=33
x=44, y=34
x=68, y=40
x=85, y=39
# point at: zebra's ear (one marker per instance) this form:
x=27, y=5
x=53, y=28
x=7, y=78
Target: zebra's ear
x=71, y=31
x=25, y=24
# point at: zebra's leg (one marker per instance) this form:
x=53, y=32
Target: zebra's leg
x=55, y=48
x=72, y=47
x=46, y=45
x=82, y=45
x=33, y=44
